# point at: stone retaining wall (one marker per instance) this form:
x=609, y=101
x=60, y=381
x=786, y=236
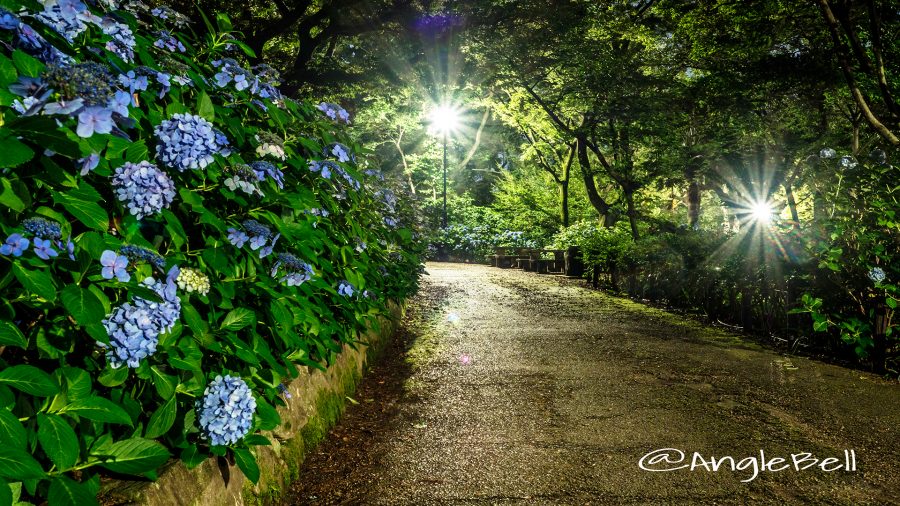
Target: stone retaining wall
x=317, y=402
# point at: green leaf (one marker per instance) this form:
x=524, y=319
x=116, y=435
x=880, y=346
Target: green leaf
x=6, y=494
x=268, y=415
x=58, y=440
x=247, y=462
x=29, y=379
x=192, y=457
x=9, y=197
x=12, y=432
x=28, y=65
x=15, y=463
x=206, y=109
x=162, y=420
x=38, y=282
x=98, y=409
x=8, y=74
x=10, y=335
x=236, y=319
x=78, y=383
x=113, y=377
x=67, y=492
x=15, y=153
x=82, y=203
x=891, y=302
x=135, y=456
x=164, y=383
x=82, y=305
x=136, y=152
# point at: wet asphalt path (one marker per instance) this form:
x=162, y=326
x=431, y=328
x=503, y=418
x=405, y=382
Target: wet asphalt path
x=543, y=392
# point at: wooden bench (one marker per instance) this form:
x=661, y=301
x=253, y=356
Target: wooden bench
x=506, y=258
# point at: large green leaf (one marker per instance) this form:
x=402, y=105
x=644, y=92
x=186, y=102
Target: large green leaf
x=205, y=105
x=67, y=492
x=82, y=304
x=15, y=463
x=135, y=456
x=9, y=197
x=15, y=153
x=82, y=203
x=162, y=419
x=29, y=379
x=38, y=282
x=98, y=409
x=12, y=432
x=247, y=462
x=236, y=319
x=165, y=383
x=27, y=65
x=10, y=335
x=58, y=440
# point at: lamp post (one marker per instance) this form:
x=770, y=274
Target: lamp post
x=444, y=120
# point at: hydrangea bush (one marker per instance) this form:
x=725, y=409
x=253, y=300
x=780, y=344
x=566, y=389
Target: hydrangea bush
x=168, y=256
x=858, y=289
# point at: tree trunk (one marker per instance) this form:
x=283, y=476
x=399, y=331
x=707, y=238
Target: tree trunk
x=564, y=186
x=632, y=212
x=590, y=186
x=792, y=204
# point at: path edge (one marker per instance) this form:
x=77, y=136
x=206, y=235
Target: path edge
x=318, y=400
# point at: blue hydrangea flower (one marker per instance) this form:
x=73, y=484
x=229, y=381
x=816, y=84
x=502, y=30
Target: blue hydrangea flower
x=141, y=254
x=346, y=289
x=170, y=14
x=877, y=275
x=42, y=228
x=266, y=169
x=94, y=120
x=231, y=71
x=165, y=40
x=226, y=410
x=827, y=153
x=89, y=163
x=66, y=17
x=334, y=112
x=391, y=222
x=237, y=237
x=134, y=81
x=114, y=266
x=244, y=178
x=295, y=271
x=339, y=151
x=134, y=328
x=143, y=188
x=120, y=102
x=122, y=41
x=259, y=233
x=187, y=141
x=8, y=20
x=15, y=245
x=44, y=248
x=267, y=250
x=323, y=167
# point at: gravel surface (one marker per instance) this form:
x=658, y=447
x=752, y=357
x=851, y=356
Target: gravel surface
x=505, y=387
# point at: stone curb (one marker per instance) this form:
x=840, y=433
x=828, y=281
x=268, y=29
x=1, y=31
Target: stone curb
x=317, y=402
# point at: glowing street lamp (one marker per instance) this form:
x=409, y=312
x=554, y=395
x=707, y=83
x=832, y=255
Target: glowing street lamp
x=444, y=120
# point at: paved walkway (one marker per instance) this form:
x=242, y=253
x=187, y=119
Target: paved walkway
x=543, y=392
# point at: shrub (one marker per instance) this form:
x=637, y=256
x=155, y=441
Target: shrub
x=166, y=244
x=857, y=249
x=601, y=247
